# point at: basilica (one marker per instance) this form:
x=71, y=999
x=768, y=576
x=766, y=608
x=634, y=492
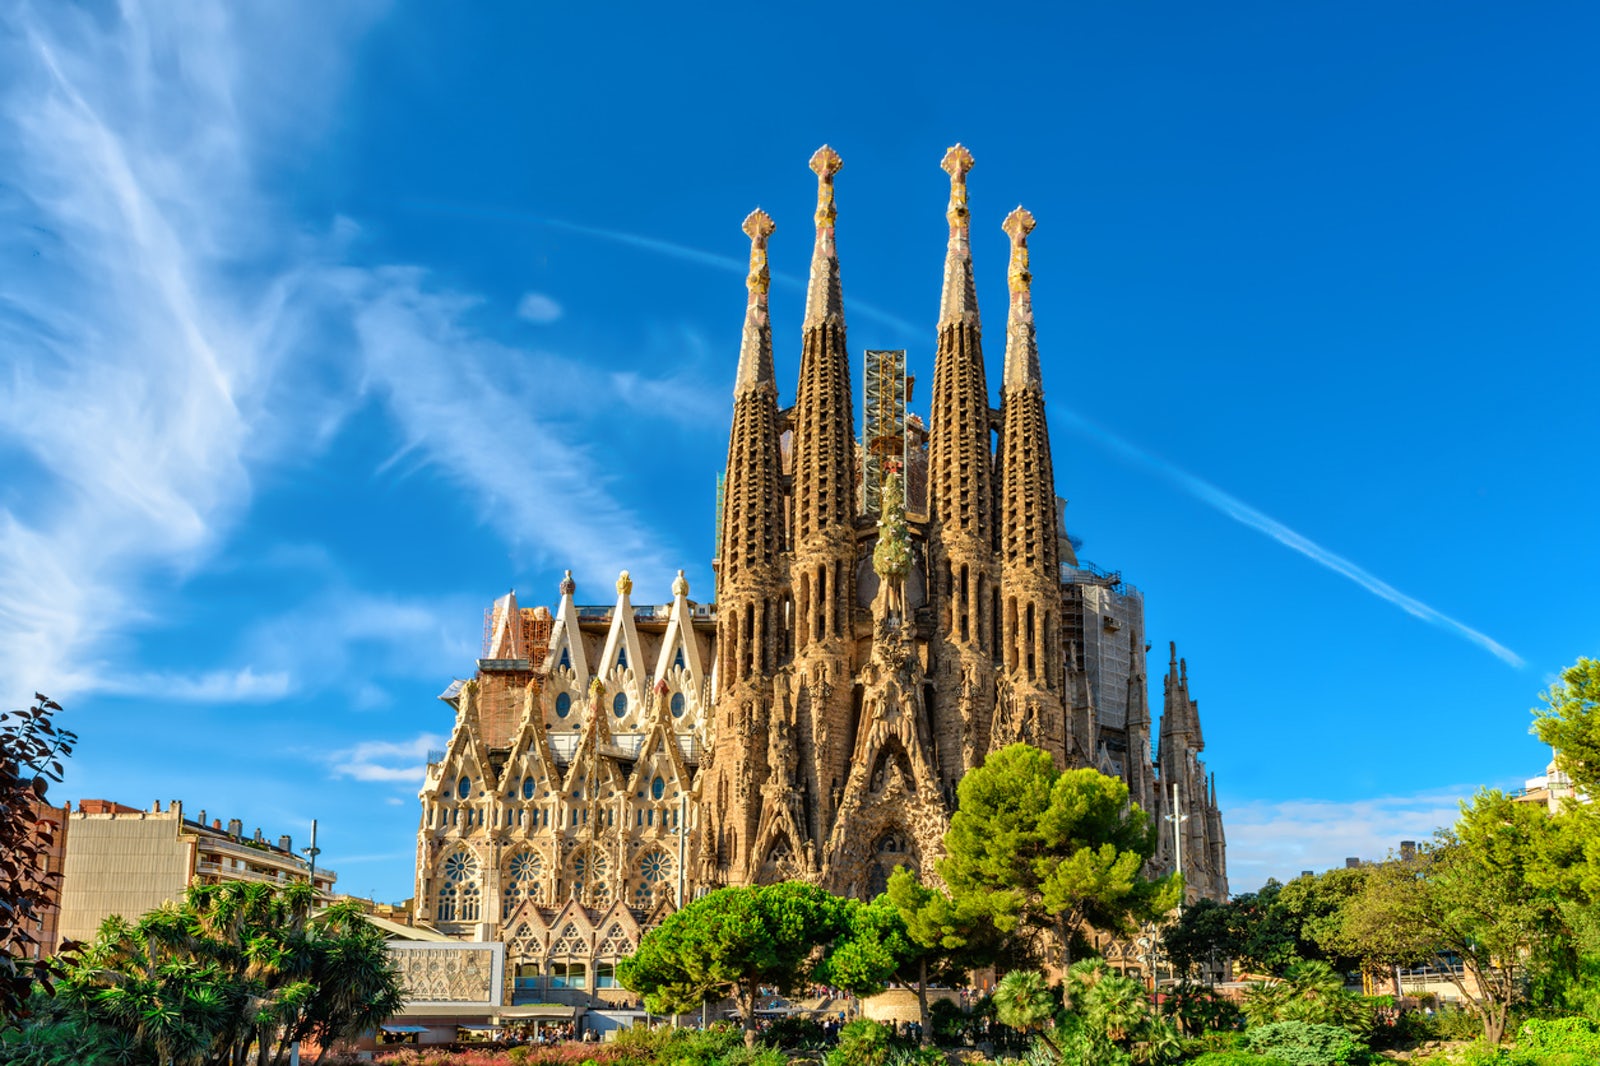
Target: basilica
x=895, y=599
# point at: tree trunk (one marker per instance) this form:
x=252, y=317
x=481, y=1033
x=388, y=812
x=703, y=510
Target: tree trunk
x=752, y=991
x=922, y=1002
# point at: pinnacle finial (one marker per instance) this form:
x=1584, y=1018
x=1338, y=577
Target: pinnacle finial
x=755, y=346
x=1018, y=225
x=758, y=226
x=568, y=586
x=680, y=585
x=624, y=584
x=958, y=302
x=958, y=164
x=825, y=163
x=824, y=298
x=1022, y=350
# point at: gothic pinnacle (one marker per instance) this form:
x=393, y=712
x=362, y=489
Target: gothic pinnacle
x=1022, y=350
x=959, y=301
x=755, y=346
x=824, y=299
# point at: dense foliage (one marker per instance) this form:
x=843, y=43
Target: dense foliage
x=235, y=973
x=32, y=748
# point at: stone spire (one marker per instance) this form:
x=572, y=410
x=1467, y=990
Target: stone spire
x=959, y=302
x=1022, y=351
x=822, y=562
x=1029, y=576
x=750, y=615
x=755, y=346
x=824, y=299
x=963, y=577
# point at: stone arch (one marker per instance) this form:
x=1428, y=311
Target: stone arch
x=522, y=877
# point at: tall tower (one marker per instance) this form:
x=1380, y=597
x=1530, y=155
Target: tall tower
x=1032, y=683
x=963, y=572
x=750, y=622
x=822, y=569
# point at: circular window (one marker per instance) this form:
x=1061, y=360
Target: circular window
x=464, y=788
x=620, y=704
x=527, y=788
x=677, y=705
x=460, y=867
x=658, y=788
x=653, y=867
x=563, y=704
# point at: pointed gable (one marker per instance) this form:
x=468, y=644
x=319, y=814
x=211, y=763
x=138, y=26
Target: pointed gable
x=622, y=664
x=679, y=664
x=505, y=635
x=566, y=640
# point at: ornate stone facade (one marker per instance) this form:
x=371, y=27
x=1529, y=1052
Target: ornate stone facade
x=815, y=724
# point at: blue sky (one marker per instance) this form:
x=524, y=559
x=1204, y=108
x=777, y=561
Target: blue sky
x=322, y=325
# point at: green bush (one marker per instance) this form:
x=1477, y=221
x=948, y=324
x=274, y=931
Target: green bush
x=1566, y=1036
x=1235, y=1058
x=917, y=1056
x=1457, y=1024
x=680, y=1047
x=949, y=1021
x=1306, y=1044
x=794, y=1032
x=863, y=1043
x=758, y=1056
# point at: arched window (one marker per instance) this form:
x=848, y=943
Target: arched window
x=524, y=879
x=622, y=656
x=619, y=704
x=563, y=704
x=658, y=787
x=677, y=660
x=459, y=897
x=677, y=702
x=655, y=875
x=566, y=657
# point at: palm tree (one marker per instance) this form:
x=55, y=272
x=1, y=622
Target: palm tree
x=1024, y=1002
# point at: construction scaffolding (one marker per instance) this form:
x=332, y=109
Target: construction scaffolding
x=1104, y=619
x=883, y=423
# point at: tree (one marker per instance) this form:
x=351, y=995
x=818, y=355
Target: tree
x=1570, y=723
x=1474, y=895
x=945, y=937
x=235, y=972
x=32, y=748
x=1204, y=933
x=1113, y=1017
x=1024, y=1002
x=1060, y=851
x=733, y=941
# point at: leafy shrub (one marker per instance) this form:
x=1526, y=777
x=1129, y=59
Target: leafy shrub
x=794, y=1032
x=1235, y=1058
x=1567, y=1036
x=758, y=1056
x=863, y=1043
x=1195, y=1046
x=1306, y=1044
x=917, y=1056
x=1405, y=1030
x=950, y=1023
x=1458, y=1024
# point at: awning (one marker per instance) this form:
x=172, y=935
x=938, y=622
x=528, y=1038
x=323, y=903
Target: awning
x=404, y=1028
x=532, y=1011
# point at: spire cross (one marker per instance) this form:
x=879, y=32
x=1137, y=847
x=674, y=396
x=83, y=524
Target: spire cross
x=1018, y=225
x=758, y=226
x=958, y=163
x=825, y=163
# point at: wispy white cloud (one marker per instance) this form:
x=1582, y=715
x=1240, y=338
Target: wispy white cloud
x=385, y=761
x=170, y=333
x=1280, y=839
x=243, y=685
x=537, y=307
x=1243, y=513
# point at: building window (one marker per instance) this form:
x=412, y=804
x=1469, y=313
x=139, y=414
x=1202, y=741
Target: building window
x=566, y=657
x=677, y=702
x=459, y=896
x=563, y=702
x=622, y=657
x=523, y=880
x=619, y=705
x=568, y=975
x=658, y=787
x=605, y=975
x=527, y=978
x=464, y=787
x=677, y=660
x=528, y=785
